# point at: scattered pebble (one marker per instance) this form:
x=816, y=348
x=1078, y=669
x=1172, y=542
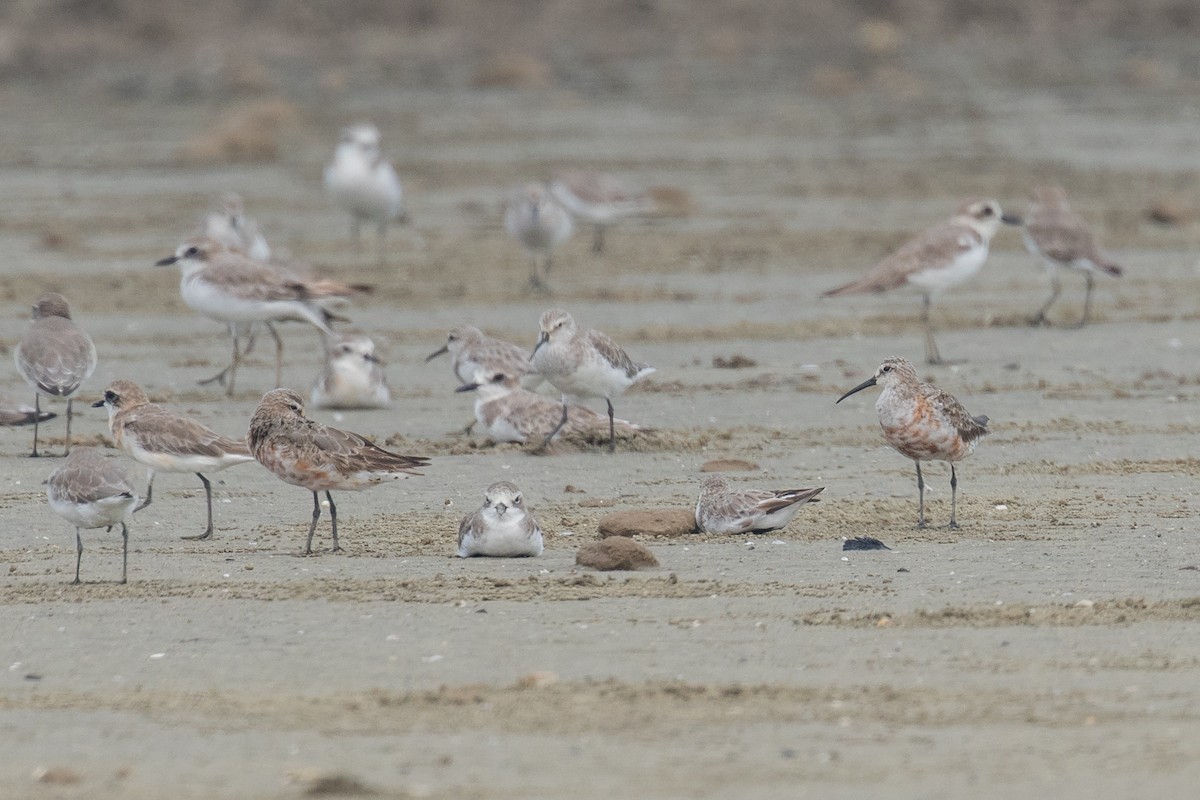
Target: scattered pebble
x=615, y=553
x=649, y=522
x=863, y=543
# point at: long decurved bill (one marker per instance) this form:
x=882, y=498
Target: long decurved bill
x=545, y=337
x=440, y=351
x=865, y=384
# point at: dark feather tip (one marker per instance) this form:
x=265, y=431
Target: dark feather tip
x=864, y=543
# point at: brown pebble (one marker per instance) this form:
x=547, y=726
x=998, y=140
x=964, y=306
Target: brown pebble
x=58, y=776
x=615, y=553
x=1171, y=210
x=728, y=465
x=649, y=522
x=735, y=361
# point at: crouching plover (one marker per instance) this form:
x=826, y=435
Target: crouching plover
x=90, y=491
x=597, y=198
x=723, y=509
x=353, y=377
x=235, y=289
x=924, y=423
x=509, y=413
x=503, y=527
x=364, y=184
x=306, y=453
x=1061, y=238
x=540, y=224
x=164, y=441
x=54, y=357
x=583, y=364
x=941, y=257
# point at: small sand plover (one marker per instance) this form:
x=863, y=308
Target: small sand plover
x=235, y=289
x=91, y=491
x=583, y=364
x=1062, y=238
x=161, y=440
x=723, y=509
x=360, y=181
x=941, y=257
x=306, y=453
x=502, y=528
x=924, y=423
x=54, y=357
x=353, y=377
x=597, y=198
x=540, y=224
x=509, y=413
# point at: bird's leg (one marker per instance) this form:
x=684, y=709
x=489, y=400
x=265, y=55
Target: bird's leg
x=313, y=526
x=612, y=431
x=355, y=232
x=953, y=499
x=78, y=554
x=598, y=240
x=37, y=415
x=149, y=491
x=921, y=496
x=535, y=279
x=208, y=532
x=1055, y=289
x=541, y=448
x=278, y=354
x=1087, y=300
x=220, y=377
x=932, y=356
x=337, y=548
x=381, y=245
x=124, y=552
x=67, y=447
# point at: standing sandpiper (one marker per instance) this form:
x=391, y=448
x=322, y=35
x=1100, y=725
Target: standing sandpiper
x=583, y=364
x=540, y=224
x=924, y=423
x=940, y=257
x=91, y=491
x=1061, y=238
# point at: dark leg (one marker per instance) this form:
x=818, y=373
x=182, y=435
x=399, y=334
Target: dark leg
x=208, y=532
x=953, y=499
x=932, y=356
x=381, y=245
x=124, y=552
x=598, y=240
x=337, y=548
x=278, y=354
x=546, y=442
x=37, y=414
x=1056, y=287
x=535, y=278
x=921, y=496
x=313, y=526
x=355, y=232
x=612, y=430
x=230, y=372
x=67, y=448
x=78, y=554
x=149, y=491
x=1087, y=300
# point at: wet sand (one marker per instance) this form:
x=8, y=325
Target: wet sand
x=1048, y=646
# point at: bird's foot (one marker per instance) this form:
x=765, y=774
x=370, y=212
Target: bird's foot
x=206, y=535
x=953, y=526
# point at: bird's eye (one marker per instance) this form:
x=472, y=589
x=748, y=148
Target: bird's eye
x=987, y=211
x=498, y=377
x=294, y=407
x=110, y=397
x=517, y=500
x=452, y=338
x=192, y=251
x=487, y=501
x=887, y=368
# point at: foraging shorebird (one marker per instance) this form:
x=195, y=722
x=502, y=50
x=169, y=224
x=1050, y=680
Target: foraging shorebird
x=237, y=290
x=583, y=364
x=924, y=423
x=502, y=528
x=540, y=224
x=321, y=459
x=1062, y=238
x=167, y=442
x=723, y=509
x=54, y=357
x=472, y=350
x=942, y=256
x=353, y=377
x=598, y=199
x=91, y=491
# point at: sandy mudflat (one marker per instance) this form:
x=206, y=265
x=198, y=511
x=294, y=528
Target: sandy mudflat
x=1050, y=646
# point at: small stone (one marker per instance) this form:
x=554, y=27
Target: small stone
x=649, y=522
x=617, y=553
x=57, y=776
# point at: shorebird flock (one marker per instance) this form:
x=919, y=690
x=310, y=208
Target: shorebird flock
x=230, y=274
